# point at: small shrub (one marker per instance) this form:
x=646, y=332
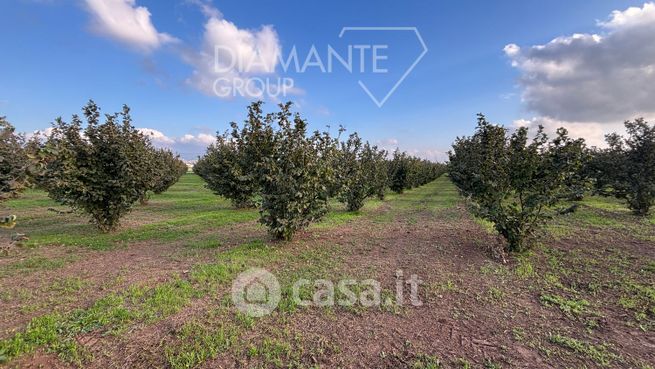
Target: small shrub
x=101, y=169
x=293, y=178
x=231, y=164
x=512, y=182
x=13, y=161
x=272, y=162
x=406, y=172
x=398, y=172
x=170, y=169
x=626, y=170
x=362, y=172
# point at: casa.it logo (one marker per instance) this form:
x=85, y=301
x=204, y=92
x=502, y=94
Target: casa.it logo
x=256, y=292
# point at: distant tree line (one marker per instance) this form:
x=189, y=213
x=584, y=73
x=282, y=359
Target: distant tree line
x=518, y=183
x=273, y=163
x=101, y=169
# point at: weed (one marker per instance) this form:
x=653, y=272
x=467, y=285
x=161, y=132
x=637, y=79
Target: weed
x=462, y=363
x=204, y=244
x=68, y=284
x=36, y=263
x=598, y=353
x=274, y=352
x=649, y=267
x=422, y=361
x=496, y=294
x=488, y=364
x=197, y=344
x=525, y=268
x=245, y=320
x=519, y=334
x=567, y=306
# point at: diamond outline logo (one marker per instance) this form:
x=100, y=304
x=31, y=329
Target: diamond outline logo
x=377, y=102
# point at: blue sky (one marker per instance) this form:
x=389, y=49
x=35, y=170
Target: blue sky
x=149, y=54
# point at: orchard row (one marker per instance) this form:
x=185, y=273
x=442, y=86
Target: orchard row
x=273, y=163
x=518, y=183
x=101, y=170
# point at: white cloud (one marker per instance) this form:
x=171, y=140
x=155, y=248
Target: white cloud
x=230, y=62
x=429, y=154
x=391, y=144
x=593, y=133
x=126, y=22
x=590, y=83
x=235, y=46
x=189, y=146
x=511, y=49
x=200, y=139
x=157, y=137
x=633, y=16
x=387, y=143
x=231, y=55
x=41, y=133
x=206, y=8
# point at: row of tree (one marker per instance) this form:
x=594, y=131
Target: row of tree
x=273, y=163
x=101, y=169
x=626, y=168
x=13, y=161
x=518, y=183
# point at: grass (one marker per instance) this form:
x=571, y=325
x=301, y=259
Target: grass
x=640, y=300
x=598, y=353
x=112, y=313
x=35, y=263
x=606, y=213
x=186, y=210
x=197, y=344
x=273, y=352
x=116, y=311
x=567, y=306
x=488, y=226
x=525, y=269
x=68, y=285
x=423, y=361
x=569, y=278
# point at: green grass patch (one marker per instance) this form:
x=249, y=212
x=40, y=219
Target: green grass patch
x=604, y=213
x=640, y=299
x=36, y=263
x=567, y=306
x=598, y=353
x=204, y=244
x=195, y=344
x=525, y=269
x=114, y=312
x=68, y=285
x=274, y=352
x=182, y=212
x=423, y=361
x=486, y=225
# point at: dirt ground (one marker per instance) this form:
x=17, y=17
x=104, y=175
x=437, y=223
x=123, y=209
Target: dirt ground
x=584, y=297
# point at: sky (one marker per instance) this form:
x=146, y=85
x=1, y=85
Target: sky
x=407, y=74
